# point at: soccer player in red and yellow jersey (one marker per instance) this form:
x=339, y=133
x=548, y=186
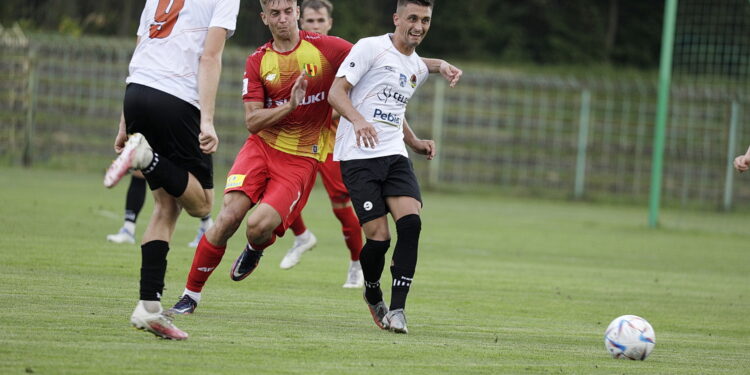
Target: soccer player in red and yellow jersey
x=285, y=90
x=316, y=17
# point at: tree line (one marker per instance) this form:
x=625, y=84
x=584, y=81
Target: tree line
x=570, y=32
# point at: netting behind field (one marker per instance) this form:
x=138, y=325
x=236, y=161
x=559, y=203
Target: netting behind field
x=586, y=137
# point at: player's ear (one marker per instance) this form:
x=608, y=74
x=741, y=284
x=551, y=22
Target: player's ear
x=395, y=19
x=263, y=18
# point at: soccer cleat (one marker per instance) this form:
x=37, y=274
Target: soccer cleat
x=355, y=278
x=245, y=264
x=395, y=320
x=186, y=305
x=123, y=236
x=294, y=254
x=378, y=312
x=156, y=323
x=136, y=154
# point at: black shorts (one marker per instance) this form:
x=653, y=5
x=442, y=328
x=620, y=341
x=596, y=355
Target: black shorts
x=370, y=181
x=171, y=126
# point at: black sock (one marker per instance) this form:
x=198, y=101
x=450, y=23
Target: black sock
x=135, y=198
x=404, y=259
x=372, y=259
x=165, y=174
x=153, y=269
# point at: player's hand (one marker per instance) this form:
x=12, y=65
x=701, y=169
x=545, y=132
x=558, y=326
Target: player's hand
x=450, y=73
x=298, y=91
x=741, y=163
x=208, y=139
x=120, y=140
x=424, y=147
x=366, y=134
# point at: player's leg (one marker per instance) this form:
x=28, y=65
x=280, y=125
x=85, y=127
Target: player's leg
x=404, y=203
x=290, y=182
x=372, y=259
x=333, y=182
x=205, y=223
x=155, y=246
x=134, y=200
x=304, y=240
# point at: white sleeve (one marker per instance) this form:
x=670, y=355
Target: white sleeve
x=225, y=15
x=358, y=62
x=146, y=15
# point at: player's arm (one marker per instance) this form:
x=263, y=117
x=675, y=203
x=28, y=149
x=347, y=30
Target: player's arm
x=338, y=97
x=448, y=71
x=420, y=146
x=258, y=118
x=209, y=71
x=122, y=135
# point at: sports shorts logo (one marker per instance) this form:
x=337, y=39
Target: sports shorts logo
x=367, y=206
x=234, y=181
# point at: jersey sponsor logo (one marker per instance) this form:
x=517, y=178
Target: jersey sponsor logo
x=235, y=180
x=413, y=81
x=311, y=70
x=310, y=99
x=165, y=18
x=389, y=93
x=386, y=118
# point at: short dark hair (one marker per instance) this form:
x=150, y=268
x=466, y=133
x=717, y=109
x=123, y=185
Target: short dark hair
x=424, y=3
x=317, y=4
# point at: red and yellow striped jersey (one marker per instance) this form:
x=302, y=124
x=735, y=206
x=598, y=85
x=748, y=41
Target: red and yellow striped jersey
x=269, y=77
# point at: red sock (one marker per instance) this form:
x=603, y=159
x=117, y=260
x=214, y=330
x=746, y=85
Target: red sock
x=205, y=260
x=350, y=228
x=262, y=247
x=298, y=226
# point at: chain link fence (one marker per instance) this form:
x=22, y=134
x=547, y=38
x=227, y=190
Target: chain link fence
x=541, y=135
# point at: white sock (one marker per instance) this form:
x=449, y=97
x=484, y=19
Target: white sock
x=355, y=264
x=304, y=236
x=129, y=226
x=196, y=296
x=206, y=222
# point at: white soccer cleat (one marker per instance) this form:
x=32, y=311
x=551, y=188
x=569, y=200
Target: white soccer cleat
x=156, y=323
x=355, y=278
x=123, y=236
x=395, y=321
x=201, y=232
x=136, y=154
x=294, y=254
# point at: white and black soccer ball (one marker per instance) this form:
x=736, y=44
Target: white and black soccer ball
x=629, y=337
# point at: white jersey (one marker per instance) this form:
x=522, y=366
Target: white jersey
x=383, y=81
x=172, y=34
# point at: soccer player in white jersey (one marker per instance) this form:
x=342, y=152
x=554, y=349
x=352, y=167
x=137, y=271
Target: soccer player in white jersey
x=168, y=113
x=371, y=91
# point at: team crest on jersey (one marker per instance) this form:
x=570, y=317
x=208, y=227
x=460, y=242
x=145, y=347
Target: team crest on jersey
x=413, y=81
x=234, y=180
x=402, y=80
x=311, y=70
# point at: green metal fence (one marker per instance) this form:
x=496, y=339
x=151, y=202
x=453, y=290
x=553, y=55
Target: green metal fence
x=561, y=136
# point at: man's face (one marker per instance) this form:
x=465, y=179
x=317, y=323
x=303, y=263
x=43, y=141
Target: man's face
x=281, y=18
x=412, y=23
x=316, y=20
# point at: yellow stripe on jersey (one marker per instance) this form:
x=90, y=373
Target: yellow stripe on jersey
x=307, y=54
x=269, y=68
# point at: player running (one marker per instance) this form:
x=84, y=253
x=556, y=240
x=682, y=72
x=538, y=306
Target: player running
x=371, y=91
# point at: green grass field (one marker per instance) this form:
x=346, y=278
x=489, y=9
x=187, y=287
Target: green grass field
x=503, y=286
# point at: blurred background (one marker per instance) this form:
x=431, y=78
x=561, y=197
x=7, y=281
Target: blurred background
x=558, y=99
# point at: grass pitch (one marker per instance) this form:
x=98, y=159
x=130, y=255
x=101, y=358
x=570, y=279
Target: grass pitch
x=503, y=286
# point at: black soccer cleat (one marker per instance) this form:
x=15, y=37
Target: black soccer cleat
x=245, y=264
x=186, y=305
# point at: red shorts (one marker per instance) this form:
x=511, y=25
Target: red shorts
x=331, y=172
x=270, y=176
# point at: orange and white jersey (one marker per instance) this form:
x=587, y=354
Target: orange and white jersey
x=172, y=34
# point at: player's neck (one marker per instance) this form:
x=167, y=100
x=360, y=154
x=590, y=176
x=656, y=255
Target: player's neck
x=401, y=45
x=286, y=45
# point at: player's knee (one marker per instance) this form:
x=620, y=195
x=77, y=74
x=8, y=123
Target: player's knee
x=409, y=224
x=374, y=250
x=259, y=231
x=200, y=211
x=228, y=221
